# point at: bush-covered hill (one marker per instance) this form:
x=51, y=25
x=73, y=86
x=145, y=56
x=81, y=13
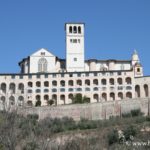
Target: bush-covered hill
x=132, y=131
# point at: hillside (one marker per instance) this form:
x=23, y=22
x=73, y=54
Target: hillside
x=132, y=131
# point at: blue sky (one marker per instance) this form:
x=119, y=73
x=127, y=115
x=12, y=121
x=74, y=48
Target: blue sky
x=113, y=29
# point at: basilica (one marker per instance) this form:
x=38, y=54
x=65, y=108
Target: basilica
x=44, y=76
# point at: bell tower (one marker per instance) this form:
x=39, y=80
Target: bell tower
x=74, y=47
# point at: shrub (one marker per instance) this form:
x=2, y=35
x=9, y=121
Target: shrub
x=31, y=146
x=87, y=124
x=38, y=103
x=132, y=113
x=126, y=115
x=147, y=118
x=136, y=112
x=33, y=116
x=113, y=137
x=78, y=99
x=50, y=102
x=130, y=131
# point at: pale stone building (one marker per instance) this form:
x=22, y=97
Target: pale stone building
x=44, y=76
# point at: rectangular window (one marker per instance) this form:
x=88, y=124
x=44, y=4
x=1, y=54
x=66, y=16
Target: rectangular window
x=62, y=90
x=13, y=76
x=54, y=75
x=74, y=40
x=70, y=75
x=38, y=76
x=62, y=75
x=21, y=76
x=87, y=74
x=46, y=75
x=75, y=59
x=79, y=74
x=29, y=76
x=119, y=73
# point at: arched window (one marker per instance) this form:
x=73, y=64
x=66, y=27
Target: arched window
x=30, y=84
x=79, y=29
x=120, y=95
x=119, y=80
x=112, y=96
x=74, y=29
x=42, y=65
x=3, y=87
x=11, y=100
x=87, y=82
x=128, y=80
x=38, y=83
x=70, y=82
x=70, y=29
x=79, y=82
x=129, y=95
x=21, y=87
x=20, y=100
x=137, y=91
x=62, y=83
x=96, y=97
x=62, y=98
x=12, y=88
x=104, y=96
x=146, y=90
x=103, y=82
x=111, y=81
x=46, y=97
x=95, y=82
x=70, y=96
x=54, y=98
x=46, y=84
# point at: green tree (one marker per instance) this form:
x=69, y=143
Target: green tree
x=79, y=99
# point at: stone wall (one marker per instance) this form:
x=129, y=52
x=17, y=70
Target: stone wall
x=92, y=111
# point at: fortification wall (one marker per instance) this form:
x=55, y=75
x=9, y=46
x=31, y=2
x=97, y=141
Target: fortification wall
x=92, y=111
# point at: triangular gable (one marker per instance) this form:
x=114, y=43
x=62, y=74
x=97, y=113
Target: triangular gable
x=43, y=52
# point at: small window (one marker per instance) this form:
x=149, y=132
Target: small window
x=30, y=76
x=79, y=29
x=42, y=53
x=119, y=73
x=29, y=91
x=38, y=90
x=79, y=74
x=138, y=69
x=54, y=90
x=78, y=40
x=70, y=29
x=71, y=40
x=38, y=76
x=54, y=75
x=70, y=75
x=46, y=75
x=62, y=75
x=74, y=40
x=13, y=76
x=62, y=90
x=74, y=29
x=21, y=76
x=46, y=90
x=75, y=59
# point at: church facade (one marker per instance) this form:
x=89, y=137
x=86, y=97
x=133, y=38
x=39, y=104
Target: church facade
x=44, y=76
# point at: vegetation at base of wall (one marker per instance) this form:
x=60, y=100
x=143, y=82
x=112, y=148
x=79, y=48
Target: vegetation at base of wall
x=31, y=133
x=38, y=103
x=133, y=113
x=79, y=99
